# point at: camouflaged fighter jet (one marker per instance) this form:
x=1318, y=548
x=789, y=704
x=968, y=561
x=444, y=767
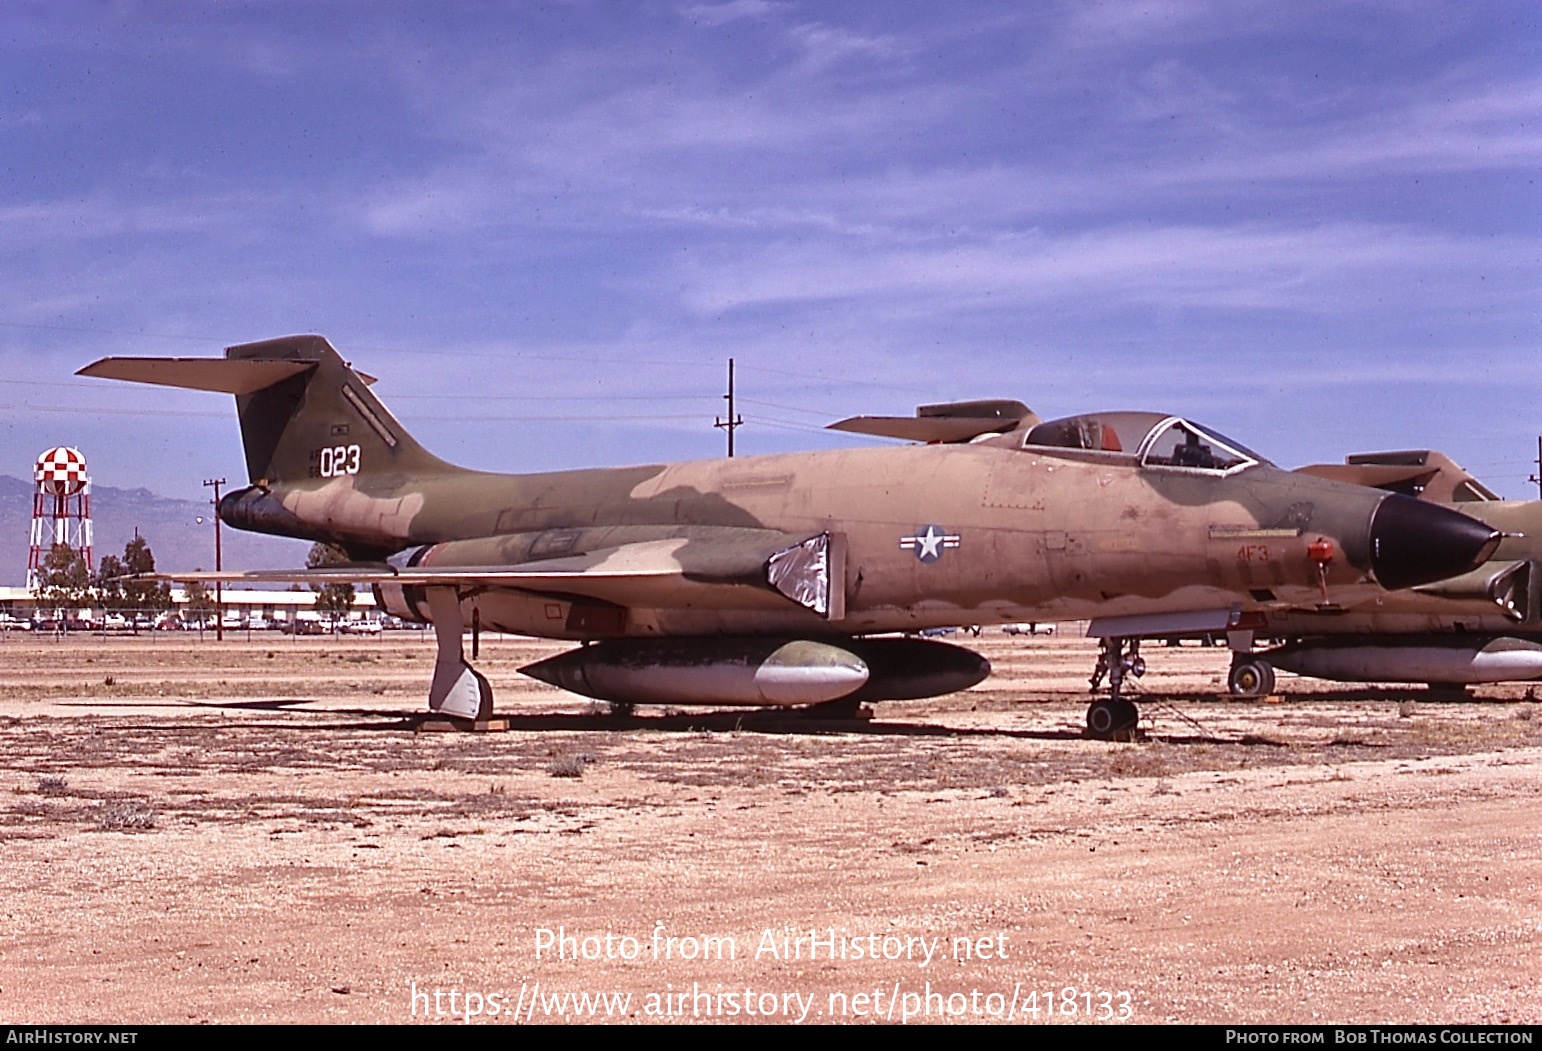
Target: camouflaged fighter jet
x=764, y=580
x=1481, y=627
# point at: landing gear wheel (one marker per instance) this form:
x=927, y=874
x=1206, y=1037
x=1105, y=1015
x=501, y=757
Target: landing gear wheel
x=1110, y=718
x=1115, y=718
x=1251, y=677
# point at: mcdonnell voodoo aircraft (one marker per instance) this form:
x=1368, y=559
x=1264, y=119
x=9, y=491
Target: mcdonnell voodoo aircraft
x=781, y=580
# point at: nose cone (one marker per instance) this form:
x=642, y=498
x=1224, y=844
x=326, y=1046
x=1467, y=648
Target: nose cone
x=564, y=671
x=1413, y=542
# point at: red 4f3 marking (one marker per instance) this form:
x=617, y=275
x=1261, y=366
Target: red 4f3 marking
x=1253, y=553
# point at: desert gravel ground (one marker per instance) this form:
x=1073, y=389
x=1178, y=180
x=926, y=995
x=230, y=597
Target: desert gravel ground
x=253, y=831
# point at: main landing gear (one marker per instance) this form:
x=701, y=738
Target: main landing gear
x=458, y=689
x=1251, y=676
x=1114, y=716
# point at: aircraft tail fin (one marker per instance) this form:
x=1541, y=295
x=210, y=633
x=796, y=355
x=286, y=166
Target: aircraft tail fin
x=1420, y=473
x=305, y=413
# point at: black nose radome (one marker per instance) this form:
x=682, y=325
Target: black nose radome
x=1415, y=543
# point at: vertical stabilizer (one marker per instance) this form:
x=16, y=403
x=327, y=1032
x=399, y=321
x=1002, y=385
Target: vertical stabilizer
x=321, y=421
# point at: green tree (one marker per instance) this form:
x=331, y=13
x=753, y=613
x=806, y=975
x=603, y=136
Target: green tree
x=142, y=593
x=117, y=589
x=64, y=581
x=333, y=600
x=108, y=584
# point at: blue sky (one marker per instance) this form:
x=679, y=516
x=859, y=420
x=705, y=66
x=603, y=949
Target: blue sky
x=546, y=227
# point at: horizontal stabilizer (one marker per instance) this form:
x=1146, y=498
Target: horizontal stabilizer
x=911, y=429
x=959, y=421
x=955, y=421
x=217, y=374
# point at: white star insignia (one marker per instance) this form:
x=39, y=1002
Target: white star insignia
x=929, y=542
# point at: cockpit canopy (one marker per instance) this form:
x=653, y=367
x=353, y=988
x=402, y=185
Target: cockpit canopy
x=1165, y=442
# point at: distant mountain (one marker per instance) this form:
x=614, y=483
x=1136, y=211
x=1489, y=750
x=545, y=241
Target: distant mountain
x=169, y=525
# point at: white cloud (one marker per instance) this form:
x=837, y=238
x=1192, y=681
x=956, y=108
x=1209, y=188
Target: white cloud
x=439, y=204
x=1256, y=267
x=1119, y=23
x=825, y=45
x=733, y=11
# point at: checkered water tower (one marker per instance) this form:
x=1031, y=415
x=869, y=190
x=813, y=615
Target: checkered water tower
x=61, y=508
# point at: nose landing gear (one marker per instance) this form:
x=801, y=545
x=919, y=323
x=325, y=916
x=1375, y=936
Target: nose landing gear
x=1115, y=717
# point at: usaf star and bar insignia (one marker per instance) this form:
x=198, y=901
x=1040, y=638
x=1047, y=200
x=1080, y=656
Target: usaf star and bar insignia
x=929, y=542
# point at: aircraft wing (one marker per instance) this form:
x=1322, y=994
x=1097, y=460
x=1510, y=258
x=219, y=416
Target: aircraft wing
x=731, y=572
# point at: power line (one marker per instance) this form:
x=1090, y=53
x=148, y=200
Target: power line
x=550, y=397
x=457, y=418
x=367, y=348
x=821, y=413
x=814, y=379
x=86, y=410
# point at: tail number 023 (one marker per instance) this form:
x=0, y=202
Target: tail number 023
x=338, y=461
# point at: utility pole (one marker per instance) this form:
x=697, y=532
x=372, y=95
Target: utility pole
x=1538, y=476
x=219, y=594
x=733, y=422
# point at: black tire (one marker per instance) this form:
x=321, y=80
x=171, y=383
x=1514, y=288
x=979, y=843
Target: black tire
x=1250, y=678
x=1107, y=719
x=1101, y=720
